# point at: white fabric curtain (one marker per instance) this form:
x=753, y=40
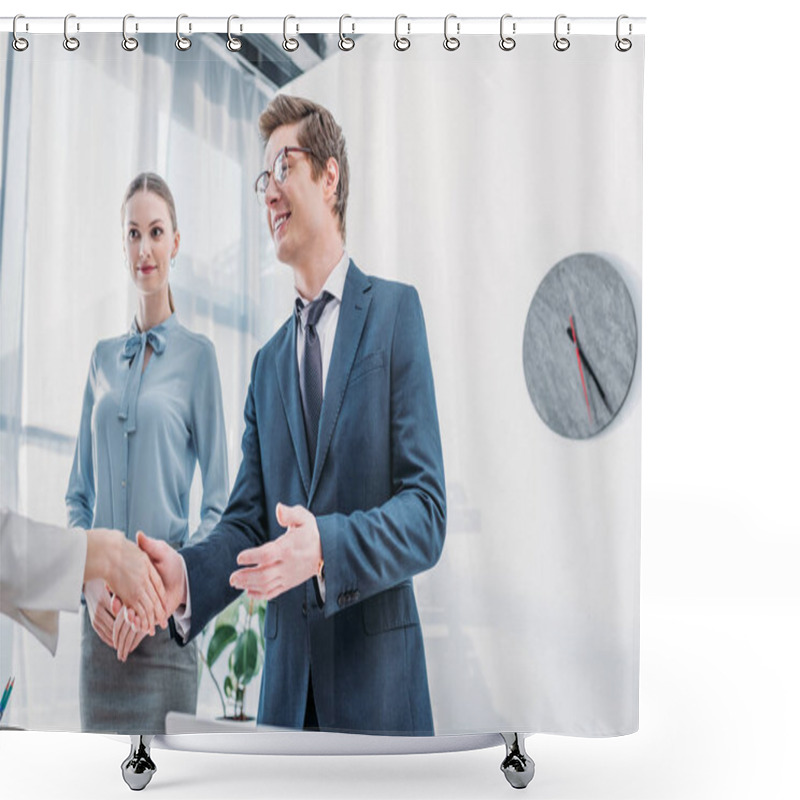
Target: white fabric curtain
x=76, y=128
x=473, y=173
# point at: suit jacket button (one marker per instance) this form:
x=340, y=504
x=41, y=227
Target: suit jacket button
x=305, y=609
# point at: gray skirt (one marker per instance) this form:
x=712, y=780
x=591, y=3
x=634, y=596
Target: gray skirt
x=134, y=697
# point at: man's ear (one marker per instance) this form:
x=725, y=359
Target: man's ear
x=331, y=177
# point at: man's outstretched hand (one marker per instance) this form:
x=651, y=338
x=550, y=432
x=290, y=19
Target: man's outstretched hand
x=286, y=562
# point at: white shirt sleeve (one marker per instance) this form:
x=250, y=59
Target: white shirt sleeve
x=41, y=572
x=183, y=614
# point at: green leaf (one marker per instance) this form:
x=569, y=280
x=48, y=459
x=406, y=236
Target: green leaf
x=228, y=686
x=230, y=616
x=262, y=615
x=245, y=657
x=223, y=636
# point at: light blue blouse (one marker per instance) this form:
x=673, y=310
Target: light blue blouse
x=142, y=433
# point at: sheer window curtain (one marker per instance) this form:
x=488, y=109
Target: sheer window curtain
x=76, y=128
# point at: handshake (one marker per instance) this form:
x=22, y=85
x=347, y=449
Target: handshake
x=130, y=589
x=141, y=585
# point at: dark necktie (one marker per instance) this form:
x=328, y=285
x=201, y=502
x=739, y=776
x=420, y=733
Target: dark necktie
x=311, y=372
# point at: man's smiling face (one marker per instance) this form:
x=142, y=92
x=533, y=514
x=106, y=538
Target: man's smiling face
x=297, y=209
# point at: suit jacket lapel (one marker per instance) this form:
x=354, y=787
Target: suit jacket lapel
x=356, y=298
x=289, y=383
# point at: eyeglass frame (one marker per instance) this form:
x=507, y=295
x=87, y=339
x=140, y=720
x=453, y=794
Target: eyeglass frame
x=270, y=173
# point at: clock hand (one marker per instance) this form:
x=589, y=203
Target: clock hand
x=590, y=371
x=580, y=367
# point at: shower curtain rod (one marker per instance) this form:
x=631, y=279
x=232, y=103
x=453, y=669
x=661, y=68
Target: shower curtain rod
x=346, y=25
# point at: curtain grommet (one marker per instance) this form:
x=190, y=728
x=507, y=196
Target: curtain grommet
x=451, y=43
x=233, y=44
x=623, y=44
x=289, y=44
x=401, y=43
x=507, y=43
x=70, y=43
x=561, y=43
x=20, y=44
x=181, y=41
x=129, y=43
x=345, y=42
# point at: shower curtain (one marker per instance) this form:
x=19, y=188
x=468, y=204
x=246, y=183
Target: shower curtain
x=504, y=187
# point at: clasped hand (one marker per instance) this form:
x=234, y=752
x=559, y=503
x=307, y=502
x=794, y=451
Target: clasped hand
x=130, y=598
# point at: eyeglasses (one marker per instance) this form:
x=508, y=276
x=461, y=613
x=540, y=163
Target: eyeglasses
x=280, y=170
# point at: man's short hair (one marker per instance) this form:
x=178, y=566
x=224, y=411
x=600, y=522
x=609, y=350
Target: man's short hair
x=319, y=132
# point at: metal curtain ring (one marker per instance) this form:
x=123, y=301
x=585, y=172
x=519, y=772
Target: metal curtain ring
x=289, y=45
x=623, y=45
x=561, y=43
x=19, y=44
x=70, y=42
x=507, y=42
x=181, y=42
x=345, y=42
x=233, y=44
x=129, y=43
x=401, y=42
x=451, y=42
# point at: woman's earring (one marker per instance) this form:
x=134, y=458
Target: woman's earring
x=172, y=263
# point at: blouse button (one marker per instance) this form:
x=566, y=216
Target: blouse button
x=123, y=483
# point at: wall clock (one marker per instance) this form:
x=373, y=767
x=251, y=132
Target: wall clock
x=579, y=347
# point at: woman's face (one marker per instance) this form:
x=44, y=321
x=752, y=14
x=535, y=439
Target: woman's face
x=149, y=242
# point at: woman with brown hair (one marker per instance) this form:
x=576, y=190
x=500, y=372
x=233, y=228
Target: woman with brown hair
x=152, y=411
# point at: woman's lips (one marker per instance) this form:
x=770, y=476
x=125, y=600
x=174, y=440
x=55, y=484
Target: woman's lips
x=147, y=270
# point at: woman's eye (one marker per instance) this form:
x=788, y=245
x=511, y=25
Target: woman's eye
x=156, y=232
x=132, y=234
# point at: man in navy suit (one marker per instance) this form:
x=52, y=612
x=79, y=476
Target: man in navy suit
x=340, y=496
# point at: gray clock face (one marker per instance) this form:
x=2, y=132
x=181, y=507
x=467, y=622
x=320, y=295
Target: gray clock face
x=579, y=347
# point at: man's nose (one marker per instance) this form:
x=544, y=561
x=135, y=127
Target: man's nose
x=273, y=191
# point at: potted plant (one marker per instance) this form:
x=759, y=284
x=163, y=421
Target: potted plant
x=239, y=629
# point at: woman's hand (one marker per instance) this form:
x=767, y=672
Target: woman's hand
x=98, y=603
x=125, y=636
x=129, y=574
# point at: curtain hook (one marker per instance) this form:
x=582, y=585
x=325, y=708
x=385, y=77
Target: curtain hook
x=289, y=45
x=451, y=42
x=19, y=44
x=401, y=42
x=561, y=43
x=345, y=42
x=233, y=44
x=507, y=42
x=70, y=42
x=181, y=42
x=623, y=45
x=129, y=43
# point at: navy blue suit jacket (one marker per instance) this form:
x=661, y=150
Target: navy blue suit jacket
x=378, y=493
